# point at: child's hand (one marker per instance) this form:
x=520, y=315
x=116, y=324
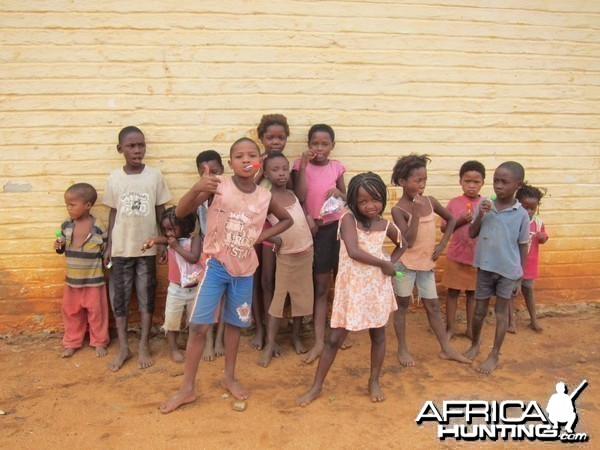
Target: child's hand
x=437, y=251
x=107, y=253
x=467, y=216
x=277, y=242
x=517, y=287
x=307, y=156
x=172, y=242
x=334, y=192
x=541, y=237
x=387, y=267
x=162, y=259
x=485, y=206
x=418, y=205
x=314, y=228
x=58, y=244
x=148, y=243
x=208, y=182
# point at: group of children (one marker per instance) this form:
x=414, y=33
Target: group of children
x=268, y=234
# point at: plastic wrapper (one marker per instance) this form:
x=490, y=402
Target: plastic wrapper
x=331, y=205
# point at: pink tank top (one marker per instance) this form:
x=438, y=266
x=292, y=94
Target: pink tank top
x=233, y=224
x=420, y=255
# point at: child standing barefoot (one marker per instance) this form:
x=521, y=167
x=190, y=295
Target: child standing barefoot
x=83, y=238
x=530, y=198
x=364, y=297
x=459, y=273
x=502, y=228
x=316, y=179
x=235, y=219
x=184, y=271
x=414, y=216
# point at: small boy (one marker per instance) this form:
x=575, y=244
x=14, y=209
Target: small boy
x=236, y=214
x=502, y=228
x=214, y=345
x=294, y=253
x=136, y=195
x=459, y=274
x=83, y=238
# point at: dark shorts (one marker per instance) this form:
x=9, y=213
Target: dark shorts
x=327, y=248
x=490, y=284
x=126, y=272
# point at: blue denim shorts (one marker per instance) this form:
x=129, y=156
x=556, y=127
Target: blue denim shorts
x=216, y=281
x=423, y=279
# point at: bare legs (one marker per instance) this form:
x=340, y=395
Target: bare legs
x=334, y=343
x=451, y=304
x=530, y=302
x=195, y=345
x=404, y=356
x=174, y=353
x=124, y=351
x=501, y=310
x=321, y=284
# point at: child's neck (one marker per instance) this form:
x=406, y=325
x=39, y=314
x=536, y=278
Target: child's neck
x=83, y=219
x=275, y=188
x=324, y=163
x=245, y=185
x=472, y=198
x=501, y=205
x=133, y=170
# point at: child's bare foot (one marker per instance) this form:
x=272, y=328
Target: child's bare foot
x=235, y=389
x=258, y=342
x=449, y=334
x=298, y=346
x=512, y=329
x=175, y=355
x=375, y=391
x=453, y=355
x=208, y=354
x=313, y=354
x=270, y=350
x=144, y=358
x=219, y=348
x=535, y=327
x=119, y=360
x=306, y=398
x=101, y=351
x=181, y=398
x=406, y=360
x=488, y=365
x=346, y=344
x=473, y=351
x=67, y=352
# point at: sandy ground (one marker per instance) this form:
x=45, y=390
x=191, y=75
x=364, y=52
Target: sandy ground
x=49, y=402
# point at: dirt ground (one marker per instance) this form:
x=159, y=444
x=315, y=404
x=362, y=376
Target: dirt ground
x=49, y=402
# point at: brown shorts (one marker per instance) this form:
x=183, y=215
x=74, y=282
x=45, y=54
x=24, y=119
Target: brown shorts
x=293, y=275
x=459, y=276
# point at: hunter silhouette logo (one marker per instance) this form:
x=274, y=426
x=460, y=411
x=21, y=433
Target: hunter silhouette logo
x=472, y=420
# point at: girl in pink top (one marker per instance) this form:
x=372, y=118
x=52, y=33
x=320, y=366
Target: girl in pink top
x=414, y=215
x=184, y=259
x=317, y=179
x=530, y=198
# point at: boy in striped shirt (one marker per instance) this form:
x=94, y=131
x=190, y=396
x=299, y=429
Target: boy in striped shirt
x=83, y=239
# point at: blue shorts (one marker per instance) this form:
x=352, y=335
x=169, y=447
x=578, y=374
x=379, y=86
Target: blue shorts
x=423, y=279
x=238, y=305
x=491, y=283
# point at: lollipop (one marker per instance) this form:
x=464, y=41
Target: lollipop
x=253, y=165
x=399, y=274
x=493, y=197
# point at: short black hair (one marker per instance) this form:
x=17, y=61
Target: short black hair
x=85, y=191
x=240, y=140
x=208, y=155
x=405, y=166
x=321, y=127
x=516, y=168
x=472, y=166
x=273, y=155
x=529, y=191
x=186, y=223
x=272, y=119
x=127, y=130
x=373, y=185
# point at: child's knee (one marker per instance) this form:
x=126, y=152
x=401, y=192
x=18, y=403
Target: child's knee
x=198, y=330
x=432, y=305
x=377, y=336
x=480, y=310
x=402, y=303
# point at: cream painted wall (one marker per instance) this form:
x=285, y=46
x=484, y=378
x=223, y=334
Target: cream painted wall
x=492, y=80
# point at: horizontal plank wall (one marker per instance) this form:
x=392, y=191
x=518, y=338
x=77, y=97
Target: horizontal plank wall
x=492, y=80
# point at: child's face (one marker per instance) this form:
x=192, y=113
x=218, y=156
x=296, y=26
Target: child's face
x=213, y=166
x=133, y=148
x=471, y=183
x=170, y=229
x=77, y=207
x=321, y=145
x=277, y=171
x=531, y=205
x=415, y=183
x=505, y=183
x=368, y=206
x=243, y=155
x=274, y=139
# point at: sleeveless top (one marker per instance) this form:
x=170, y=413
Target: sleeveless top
x=420, y=255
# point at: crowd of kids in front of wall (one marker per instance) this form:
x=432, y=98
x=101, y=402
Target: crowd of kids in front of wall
x=272, y=229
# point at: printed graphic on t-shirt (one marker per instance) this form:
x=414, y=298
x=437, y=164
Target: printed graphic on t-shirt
x=135, y=204
x=240, y=235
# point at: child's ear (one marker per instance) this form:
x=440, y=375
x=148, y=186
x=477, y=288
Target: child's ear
x=229, y=163
x=401, y=182
x=89, y=205
x=119, y=147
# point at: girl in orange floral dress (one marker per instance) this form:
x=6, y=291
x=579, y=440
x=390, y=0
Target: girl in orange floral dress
x=364, y=297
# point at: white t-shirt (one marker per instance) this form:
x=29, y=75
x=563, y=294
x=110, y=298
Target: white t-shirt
x=135, y=198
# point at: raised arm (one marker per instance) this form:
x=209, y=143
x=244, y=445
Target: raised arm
x=299, y=176
x=485, y=206
x=198, y=194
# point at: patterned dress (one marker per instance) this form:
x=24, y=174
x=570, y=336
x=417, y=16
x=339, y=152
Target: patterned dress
x=364, y=296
